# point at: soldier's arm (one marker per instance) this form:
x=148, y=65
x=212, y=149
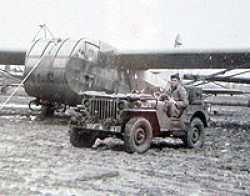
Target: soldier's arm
x=165, y=95
x=183, y=101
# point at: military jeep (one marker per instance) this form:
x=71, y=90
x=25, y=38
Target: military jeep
x=136, y=119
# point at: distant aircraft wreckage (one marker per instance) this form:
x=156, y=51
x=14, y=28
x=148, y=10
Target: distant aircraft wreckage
x=63, y=69
x=239, y=80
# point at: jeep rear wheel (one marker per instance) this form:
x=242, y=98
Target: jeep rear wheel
x=195, y=136
x=137, y=135
x=84, y=139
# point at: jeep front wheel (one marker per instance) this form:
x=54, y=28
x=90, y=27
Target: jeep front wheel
x=137, y=135
x=84, y=139
x=195, y=135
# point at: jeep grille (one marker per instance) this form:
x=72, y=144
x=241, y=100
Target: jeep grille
x=103, y=108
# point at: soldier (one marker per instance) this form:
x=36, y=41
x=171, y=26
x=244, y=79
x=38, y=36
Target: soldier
x=176, y=99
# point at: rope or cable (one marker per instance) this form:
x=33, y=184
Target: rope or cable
x=43, y=28
x=21, y=84
x=24, y=80
x=9, y=75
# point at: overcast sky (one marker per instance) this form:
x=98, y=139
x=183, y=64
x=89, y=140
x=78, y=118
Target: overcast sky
x=130, y=24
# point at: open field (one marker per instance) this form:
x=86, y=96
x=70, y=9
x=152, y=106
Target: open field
x=37, y=159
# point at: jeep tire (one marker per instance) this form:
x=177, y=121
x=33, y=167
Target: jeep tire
x=85, y=139
x=195, y=135
x=137, y=135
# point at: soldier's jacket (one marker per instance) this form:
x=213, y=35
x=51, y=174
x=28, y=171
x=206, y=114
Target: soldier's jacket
x=180, y=96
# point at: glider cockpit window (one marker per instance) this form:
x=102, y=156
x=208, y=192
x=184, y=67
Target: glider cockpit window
x=39, y=47
x=66, y=48
x=86, y=50
x=91, y=51
x=57, y=47
x=49, y=49
x=79, y=49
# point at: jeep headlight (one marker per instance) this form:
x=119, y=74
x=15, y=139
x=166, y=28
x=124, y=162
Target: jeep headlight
x=86, y=103
x=138, y=104
x=122, y=104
